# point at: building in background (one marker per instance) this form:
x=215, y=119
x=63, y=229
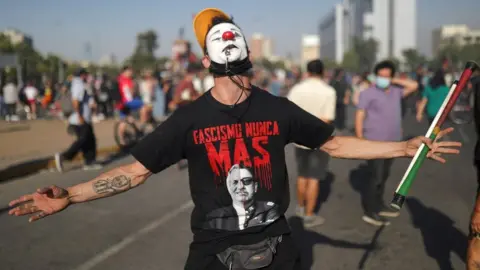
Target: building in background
x=256, y=46
x=108, y=60
x=17, y=37
x=261, y=47
x=267, y=49
x=392, y=23
x=335, y=33
x=310, y=49
x=454, y=35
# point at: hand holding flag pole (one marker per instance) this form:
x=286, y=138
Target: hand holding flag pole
x=432, y=133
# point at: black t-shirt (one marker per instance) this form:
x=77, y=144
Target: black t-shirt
x=476, y=114
x=236, y=162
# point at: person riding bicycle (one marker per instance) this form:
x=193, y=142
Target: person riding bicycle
x=129, y=102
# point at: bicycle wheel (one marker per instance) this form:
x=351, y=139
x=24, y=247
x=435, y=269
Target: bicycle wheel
x=149, y=127
x=130, y=136
x=461, y=114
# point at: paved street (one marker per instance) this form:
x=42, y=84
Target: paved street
x=27, y=140
x=148, y=228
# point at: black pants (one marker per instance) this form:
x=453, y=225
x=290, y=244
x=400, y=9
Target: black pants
x=86, y=142
x=286, y=258
x=106, y=108
x=340, y=116
x=378, y=172
x=11, y=109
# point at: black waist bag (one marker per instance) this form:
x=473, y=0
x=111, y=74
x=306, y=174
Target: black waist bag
x=248, y=257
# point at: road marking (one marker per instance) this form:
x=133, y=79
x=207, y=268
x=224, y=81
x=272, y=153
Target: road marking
x=131, y=238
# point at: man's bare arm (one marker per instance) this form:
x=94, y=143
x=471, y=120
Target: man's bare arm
x=110, y=183
x=473, y=254
x=359, y=118
x=356, y=148
x=76, y=106
x=409, y=86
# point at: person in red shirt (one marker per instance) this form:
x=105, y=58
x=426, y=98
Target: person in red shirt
x=130, y=102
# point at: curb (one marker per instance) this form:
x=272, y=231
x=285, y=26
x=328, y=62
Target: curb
x=14, y=128
x=28, y=167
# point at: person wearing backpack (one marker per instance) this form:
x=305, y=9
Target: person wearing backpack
x=80, y=122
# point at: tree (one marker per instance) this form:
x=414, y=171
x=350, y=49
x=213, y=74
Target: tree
x=366, y=49
x=267, y=64
x=278, y=64
x=351, y=61
x=72, y=68
x=450, y=52
x=396, y=62
x=161, y=62
x=5, y=45
x=30, y=60
x=470, y=52
x=329, y=63
x=413, y=59
x=144, y=54
x=147, y=43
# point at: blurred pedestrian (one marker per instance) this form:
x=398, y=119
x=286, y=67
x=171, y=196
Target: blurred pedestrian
x=433, y=96
x=10, y=98
x=363, y=84
x=147, y=87
x=80, y=122
x=47, y=95
x=343, y=92
x=185, y=92
x=275, y=85
x=31, y=93
x=378, y=118
x=319, y=99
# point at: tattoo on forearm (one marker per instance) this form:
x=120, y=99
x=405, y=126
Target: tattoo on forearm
x=112, y=185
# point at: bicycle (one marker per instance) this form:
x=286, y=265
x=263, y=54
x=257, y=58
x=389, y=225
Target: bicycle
x=133, y=131
x=462, y=111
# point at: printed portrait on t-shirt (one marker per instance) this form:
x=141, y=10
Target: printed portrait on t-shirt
x=245, y=211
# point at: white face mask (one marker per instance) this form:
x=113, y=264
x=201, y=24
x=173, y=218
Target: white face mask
x=225, y=43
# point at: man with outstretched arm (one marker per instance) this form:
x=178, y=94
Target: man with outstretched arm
x=233, y=125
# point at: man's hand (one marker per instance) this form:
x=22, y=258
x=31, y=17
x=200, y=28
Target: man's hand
x=409, y=86
x=419, y=117
x=436, y=148
x=81, y=120
x=42, y=203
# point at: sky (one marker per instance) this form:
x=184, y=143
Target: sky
x=65, y=27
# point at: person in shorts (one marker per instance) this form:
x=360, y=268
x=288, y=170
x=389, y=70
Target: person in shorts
x=31, y=93
x=129, y=100
x=318, y=98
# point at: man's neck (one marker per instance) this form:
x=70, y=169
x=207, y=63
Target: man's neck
x=227, y=92
x=315, y=77
x=242, y=205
